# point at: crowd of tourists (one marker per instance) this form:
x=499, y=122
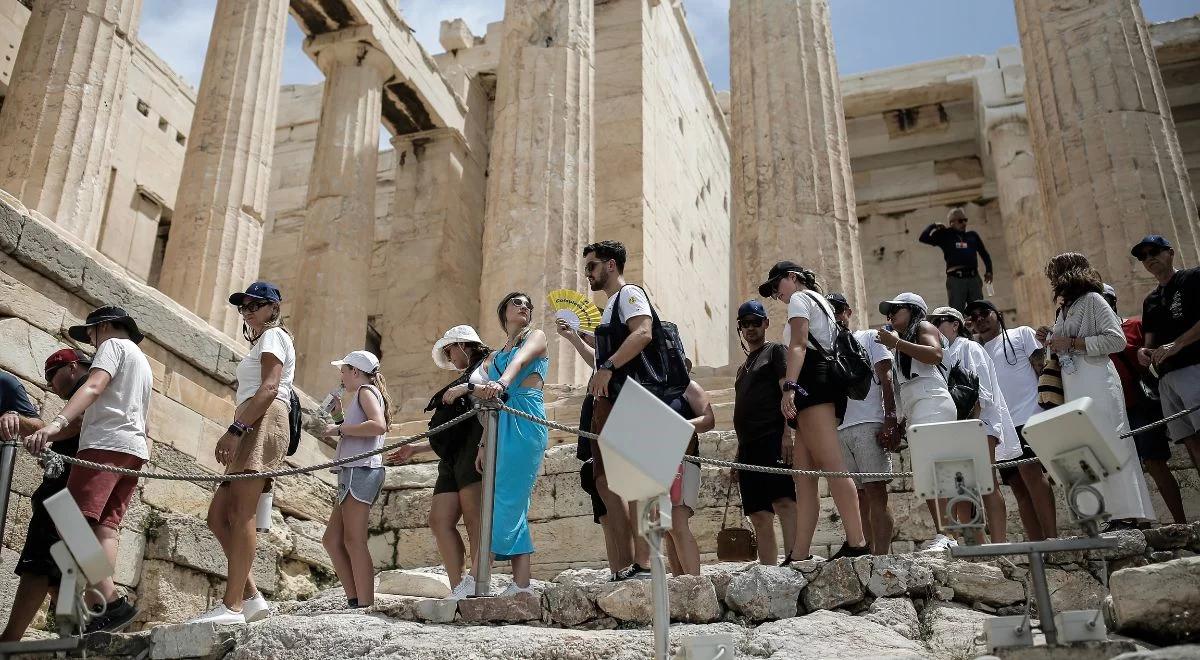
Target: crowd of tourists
x=793, y=407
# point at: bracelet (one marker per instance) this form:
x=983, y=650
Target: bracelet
x=60, y=420
x=239, y=429
x=791, y=385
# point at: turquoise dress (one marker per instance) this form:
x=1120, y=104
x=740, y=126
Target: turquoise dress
x=520, y=445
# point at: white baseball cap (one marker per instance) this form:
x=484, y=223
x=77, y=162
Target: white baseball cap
x=459, y=334
x=906, y=298
x=364, y=361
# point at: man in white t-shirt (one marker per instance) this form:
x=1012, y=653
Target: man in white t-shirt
x=1018, y=358
x=114, y=402
x=868, y=432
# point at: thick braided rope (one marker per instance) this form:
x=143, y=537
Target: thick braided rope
x=266, y=475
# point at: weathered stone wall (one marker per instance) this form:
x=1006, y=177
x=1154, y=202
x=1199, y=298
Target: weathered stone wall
x=168, y=561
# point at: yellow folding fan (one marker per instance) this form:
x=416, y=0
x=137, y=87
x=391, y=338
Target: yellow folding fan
x=575, y=308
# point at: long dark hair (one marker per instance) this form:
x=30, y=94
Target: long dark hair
x=503, y=307
x=1072, y=276
x=276, y=321
x=911, y=334
x=807, y=278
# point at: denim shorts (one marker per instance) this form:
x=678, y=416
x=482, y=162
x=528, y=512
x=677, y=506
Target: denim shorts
x=363, y=483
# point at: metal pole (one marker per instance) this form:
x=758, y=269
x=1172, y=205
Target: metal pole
x=8, y=456
x=658, y=584
x=484, y=581
x=1041, y=592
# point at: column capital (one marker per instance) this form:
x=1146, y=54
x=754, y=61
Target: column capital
x=431, y=135
x=348, y=46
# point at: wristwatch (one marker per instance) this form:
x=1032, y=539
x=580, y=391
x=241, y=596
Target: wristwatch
x=470, y=386
x=607, y=365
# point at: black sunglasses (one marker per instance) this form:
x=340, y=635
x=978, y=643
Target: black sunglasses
x=750, y=323
x=253, y=306
x=1150, y=252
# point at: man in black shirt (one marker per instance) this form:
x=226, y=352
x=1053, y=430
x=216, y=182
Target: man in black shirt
x=1171, y=323
x=66, y=371
x=960, y=247
x=760, y=429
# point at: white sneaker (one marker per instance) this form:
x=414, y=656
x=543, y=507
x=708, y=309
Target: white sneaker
x=514, y=590
x=465, y=589
x=940, y=543
x=256, y=608
x=221, y=616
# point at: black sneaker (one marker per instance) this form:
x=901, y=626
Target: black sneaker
x=119, y=614
x=848, y=550
x=640, y=572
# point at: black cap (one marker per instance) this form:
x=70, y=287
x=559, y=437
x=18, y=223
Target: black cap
x=752, y=308
x=777, y=273
x=1150, y=240
x=977, y=304
x=260, y=290
x=106, y=314
x=838, y=301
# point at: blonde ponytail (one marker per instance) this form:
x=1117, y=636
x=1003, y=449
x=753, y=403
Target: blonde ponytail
x=378, y=381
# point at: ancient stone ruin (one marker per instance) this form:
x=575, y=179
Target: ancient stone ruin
x=568, y=121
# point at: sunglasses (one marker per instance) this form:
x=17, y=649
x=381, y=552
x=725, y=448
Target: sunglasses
x=251, y=307
x=521, y=302
x=591, y=265
x=1150, y=253
x=979, y=315
x=750, y=323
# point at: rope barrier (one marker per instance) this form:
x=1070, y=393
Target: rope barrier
x=50, y=458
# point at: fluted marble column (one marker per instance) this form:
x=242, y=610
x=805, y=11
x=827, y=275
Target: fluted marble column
x=432, y=275
x=63, y=107
x=1025, y=230
x=1108, y=156
x=216, y=234
x=541, y=188
x=331, y=300
x=793, y=195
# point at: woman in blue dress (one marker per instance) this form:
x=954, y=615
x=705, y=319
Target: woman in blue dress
x=518, y=371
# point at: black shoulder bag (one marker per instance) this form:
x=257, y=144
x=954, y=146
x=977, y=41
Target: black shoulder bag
x=849, y=367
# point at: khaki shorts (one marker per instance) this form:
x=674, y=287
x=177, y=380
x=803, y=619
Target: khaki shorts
x=264, y=447
x=862, y=452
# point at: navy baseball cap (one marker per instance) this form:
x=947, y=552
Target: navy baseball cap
x=838, y=301
x=1150, y=240
x=259, y=290
x=752, y=308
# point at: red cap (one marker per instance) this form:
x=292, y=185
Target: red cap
x=64, y=357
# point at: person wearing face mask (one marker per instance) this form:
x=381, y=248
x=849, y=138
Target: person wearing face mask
x=921, y=392
x=457, y=491
x=760, y=429
x=809, y=404
x=66, y=371
x=256, y=441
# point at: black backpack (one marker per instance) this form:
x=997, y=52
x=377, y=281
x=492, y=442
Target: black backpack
x=295, y=422
x=964, y=388
x=660, y=367
x=849, y=366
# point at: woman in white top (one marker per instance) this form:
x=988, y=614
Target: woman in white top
x=256, y=441
x=1086, y=330
x=809, y=404
x=921, y=393
x=991, y=409
x=359, y=482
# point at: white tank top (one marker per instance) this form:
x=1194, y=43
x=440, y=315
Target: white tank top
x=918, y=369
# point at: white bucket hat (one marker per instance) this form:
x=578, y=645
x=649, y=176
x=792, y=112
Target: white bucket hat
x=459, y=334
x=364, y=361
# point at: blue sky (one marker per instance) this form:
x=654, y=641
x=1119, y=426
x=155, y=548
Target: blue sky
x=869, y=34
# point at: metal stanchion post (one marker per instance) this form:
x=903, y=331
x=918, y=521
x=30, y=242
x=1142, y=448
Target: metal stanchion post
x=8, y=459
x=483, y=584
x=653, y=530
x=1041, y=593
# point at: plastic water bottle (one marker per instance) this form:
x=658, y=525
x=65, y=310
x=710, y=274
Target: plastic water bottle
x=335, y=395
x=1066, y=363
x=989, y=290
x=262, y=517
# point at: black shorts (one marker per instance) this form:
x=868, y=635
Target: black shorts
x=1153, y=444
x=587, y=481
x=1007, y=474
x=35, y=556
x=759, y=490
x=815, y=380
x=457, y=470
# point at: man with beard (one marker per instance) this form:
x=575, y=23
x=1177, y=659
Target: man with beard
x=66, y=370
x=1171, y=321
x=760, y=429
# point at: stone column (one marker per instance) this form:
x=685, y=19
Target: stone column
x=216, y=233
x=793, y=195
x=63, y=107
x=1108, y=156
x=331, y=302
x=1025, y=230
x=541, y=186
x=432, y=274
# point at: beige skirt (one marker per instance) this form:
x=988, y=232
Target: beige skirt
x=264, y=447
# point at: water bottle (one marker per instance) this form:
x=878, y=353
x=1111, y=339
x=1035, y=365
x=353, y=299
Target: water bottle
x=989, y=289
x=1066, y=363
x=334, y=395
x=262, y=517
